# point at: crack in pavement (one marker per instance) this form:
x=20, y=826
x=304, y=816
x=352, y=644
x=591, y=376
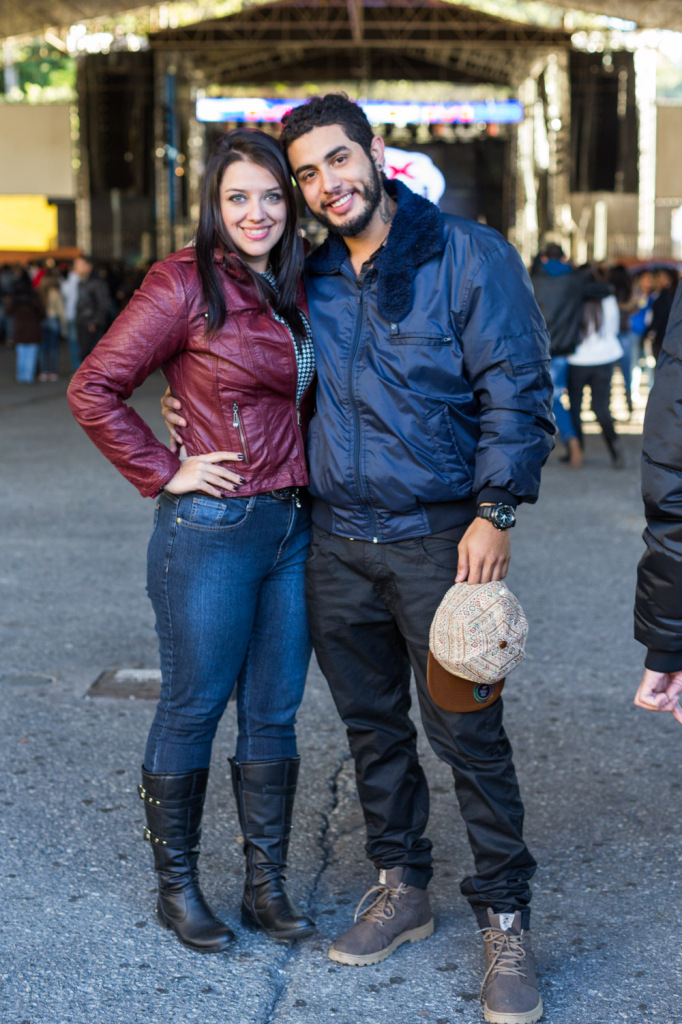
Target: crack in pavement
x=326, y=849
x=323, y=839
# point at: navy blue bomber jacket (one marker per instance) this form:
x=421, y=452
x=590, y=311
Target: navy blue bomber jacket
x=433, y=385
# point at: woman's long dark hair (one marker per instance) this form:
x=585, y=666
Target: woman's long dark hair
x=286, y=258
x=593, y=317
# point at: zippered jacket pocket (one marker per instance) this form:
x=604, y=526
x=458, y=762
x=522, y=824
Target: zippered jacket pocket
x=237, y=424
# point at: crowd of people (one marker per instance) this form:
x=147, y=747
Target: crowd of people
x=44, y=303
x=599, y=318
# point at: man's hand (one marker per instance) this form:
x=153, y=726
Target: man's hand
x=660, y=691
x=483, y=553
x=170, y=410
x=201, y=473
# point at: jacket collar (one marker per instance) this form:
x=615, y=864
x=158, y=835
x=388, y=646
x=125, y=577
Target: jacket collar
x=417, y=235
x=242, y=295
x=230, y=261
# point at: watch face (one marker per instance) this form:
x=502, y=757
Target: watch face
x=503, y=517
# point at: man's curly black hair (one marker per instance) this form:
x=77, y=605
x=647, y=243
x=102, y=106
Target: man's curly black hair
x=334, y=108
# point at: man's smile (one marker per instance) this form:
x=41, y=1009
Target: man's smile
x=340, y=204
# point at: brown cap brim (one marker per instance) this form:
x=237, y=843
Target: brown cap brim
x=453, y=693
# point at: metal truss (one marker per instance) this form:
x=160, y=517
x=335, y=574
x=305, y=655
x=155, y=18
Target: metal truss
x=32, y=17
x=358, y=17
x=357, y=23
x=361, y=38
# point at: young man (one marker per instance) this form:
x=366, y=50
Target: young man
x=433, y=421
x=92, y=305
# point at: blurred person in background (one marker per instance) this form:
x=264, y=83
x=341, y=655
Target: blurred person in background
x=25, y=307
x=643, y=295
x=36, y=271
x=93, y=306
x=7, y=278
x=591, y=365
x=665, y=286
x=621, y=281
x=69, y=286
x=53, y=326
x=560, y=292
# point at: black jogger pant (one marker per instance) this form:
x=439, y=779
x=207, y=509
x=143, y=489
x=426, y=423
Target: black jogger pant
x=370, y=608
x=598, y=379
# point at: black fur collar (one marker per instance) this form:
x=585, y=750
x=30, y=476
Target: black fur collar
x=416, y=235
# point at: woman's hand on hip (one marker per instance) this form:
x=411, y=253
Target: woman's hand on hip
x=204, y=473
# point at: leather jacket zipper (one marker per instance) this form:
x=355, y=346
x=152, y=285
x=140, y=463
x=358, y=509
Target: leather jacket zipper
x=237, y=424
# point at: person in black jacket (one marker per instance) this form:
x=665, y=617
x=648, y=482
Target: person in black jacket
x=658, y=600
x=561, y=292
x=93, y=307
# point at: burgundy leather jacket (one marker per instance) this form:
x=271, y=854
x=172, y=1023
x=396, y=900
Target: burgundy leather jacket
x=237, y=388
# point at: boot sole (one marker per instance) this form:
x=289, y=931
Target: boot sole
x=255, y=926
x=364, y=960
x=222, y=948
x=493, y=1017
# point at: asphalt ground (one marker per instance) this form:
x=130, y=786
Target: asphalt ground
x=78, y=939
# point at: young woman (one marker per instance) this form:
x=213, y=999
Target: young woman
x=225, y=319
x=591, y=365
x=53, y=326
x=26, y=308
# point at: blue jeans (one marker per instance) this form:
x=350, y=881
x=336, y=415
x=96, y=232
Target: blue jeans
x=226, y=580
x=27, y=361
x=49, y=345
x=72, y=338
x=558, y=369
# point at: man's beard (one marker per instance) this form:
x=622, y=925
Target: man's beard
x=371, y=192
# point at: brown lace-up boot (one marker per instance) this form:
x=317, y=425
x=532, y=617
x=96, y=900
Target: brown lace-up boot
x=509, y=988
x=396, y=913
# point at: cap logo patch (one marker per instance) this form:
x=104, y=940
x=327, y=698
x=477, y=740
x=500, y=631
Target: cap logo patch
x=482, y=692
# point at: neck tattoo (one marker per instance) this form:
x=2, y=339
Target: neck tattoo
x=385, y=209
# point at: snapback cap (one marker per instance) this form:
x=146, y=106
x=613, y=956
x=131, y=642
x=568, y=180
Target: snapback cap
x=478, y=635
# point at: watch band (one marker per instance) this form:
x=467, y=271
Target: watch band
x=500, y=515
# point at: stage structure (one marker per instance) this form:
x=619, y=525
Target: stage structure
x=373, y=49
x=579, y=167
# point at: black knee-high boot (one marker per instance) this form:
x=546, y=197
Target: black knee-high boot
x=265, y=791
x=173, y=805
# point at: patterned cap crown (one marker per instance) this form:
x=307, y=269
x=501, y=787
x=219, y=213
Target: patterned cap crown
x=479, y=632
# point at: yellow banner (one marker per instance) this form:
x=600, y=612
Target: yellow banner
x=27, y=222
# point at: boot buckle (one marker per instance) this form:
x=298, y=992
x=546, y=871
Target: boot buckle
x=151, y=838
